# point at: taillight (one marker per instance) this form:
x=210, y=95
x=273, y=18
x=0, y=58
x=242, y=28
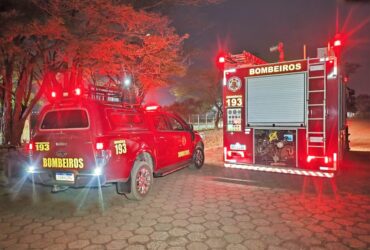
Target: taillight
x=309, y=158
x=99, y=146
x=326, y=160
x=77, y=91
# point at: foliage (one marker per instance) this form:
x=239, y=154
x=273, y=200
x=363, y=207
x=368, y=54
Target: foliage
x=204, y=86
x=186, y=107
x=363, y=105
x=60, y=44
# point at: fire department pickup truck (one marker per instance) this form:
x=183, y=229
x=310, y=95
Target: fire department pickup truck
x=79, y=142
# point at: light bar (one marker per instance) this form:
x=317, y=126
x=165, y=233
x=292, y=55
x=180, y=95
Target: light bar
x=337, y=43
x=281, y=170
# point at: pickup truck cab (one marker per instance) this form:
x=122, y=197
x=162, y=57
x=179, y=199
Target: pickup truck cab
x=85, y=142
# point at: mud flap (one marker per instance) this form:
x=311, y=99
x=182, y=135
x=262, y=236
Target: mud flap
x=124, y=187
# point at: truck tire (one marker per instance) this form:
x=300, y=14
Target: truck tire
x=141, y=180
x=198, y=158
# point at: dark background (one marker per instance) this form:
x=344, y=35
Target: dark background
x=255, y=26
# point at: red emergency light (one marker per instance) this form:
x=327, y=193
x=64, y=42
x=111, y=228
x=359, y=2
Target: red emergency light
x=53, y=94
x=337, y=43
x=152, y=108
x=77, y=91
x=99, y=146
x=221, y=59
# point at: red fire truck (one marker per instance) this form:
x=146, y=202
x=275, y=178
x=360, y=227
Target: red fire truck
x=287, y=117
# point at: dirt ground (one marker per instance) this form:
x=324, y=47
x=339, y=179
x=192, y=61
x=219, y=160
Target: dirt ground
x=360, y=134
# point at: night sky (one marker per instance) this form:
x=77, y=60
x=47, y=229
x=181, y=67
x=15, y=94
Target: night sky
x=255, y=26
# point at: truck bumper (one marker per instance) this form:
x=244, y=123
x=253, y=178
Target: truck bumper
x=282, y=170
x=80, y=179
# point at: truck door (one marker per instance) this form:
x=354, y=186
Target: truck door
x=165, y=143
x=182, y=139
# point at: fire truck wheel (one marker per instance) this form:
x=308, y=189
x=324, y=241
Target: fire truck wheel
x=141, y=180
x=198, y=158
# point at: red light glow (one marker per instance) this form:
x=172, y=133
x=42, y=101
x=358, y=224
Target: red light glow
x=221, y=59
x=337, y=43
x=151, y=108
x=77, y=91
x=30, y=146
x=99, y=146
x=310, y=158
x=53, y=94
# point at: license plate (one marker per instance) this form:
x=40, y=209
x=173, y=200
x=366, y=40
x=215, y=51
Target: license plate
x=65, y=177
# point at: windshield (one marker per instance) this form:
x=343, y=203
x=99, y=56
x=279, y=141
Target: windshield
x=65, y=119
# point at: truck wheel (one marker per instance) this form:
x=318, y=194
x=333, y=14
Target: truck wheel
x=141, y=180
x=198, y=158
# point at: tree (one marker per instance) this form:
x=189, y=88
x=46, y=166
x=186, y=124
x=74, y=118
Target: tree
x=186, y=107
x=60, y=44
x=363, y=105
x=203, y=85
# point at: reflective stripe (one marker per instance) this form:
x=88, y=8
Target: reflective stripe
x=281, y=170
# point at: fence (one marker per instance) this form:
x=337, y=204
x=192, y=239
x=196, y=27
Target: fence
x=204, y=121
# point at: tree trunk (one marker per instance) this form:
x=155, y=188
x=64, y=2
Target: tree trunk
x=218, y=115
x=7, y=109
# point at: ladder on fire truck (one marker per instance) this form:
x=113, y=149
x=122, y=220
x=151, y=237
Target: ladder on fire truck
x=316, y=107
x=243, y=59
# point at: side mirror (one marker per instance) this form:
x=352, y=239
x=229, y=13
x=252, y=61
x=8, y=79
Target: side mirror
x=191, y=127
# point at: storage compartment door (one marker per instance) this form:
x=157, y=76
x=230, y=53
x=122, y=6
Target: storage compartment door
x=277, y=100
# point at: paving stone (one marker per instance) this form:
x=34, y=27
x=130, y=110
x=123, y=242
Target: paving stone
x=30, y=238
x=233, y=238
x=159, y=236
x=355, y=243
x=178, y=231
x=177, y=241
x=336, y=246
x=216, y=243
x=95, y=247
x=254, y=244
x=56, y=247
x=180, y=223
x=157, y=245
x=214, y=233
x=135, y=247
x=195, y=228
x=235, y=247
x=197, y=246
x=117, y=244
x=196, y=236
x=78, y=244
x=163, y=226
x=140, y=239
x=230, y=229
x=109, y=230
x=101, y=239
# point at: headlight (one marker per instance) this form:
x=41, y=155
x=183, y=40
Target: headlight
x=97, y=171
x=31, y=169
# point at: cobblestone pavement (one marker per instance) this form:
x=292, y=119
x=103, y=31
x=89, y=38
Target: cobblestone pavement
x=211, y=208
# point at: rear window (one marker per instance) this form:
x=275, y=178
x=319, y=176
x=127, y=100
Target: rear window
x=126, y=121
x=65, y=119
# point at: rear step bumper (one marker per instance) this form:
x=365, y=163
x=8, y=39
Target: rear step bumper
x=80, y=180
x=282, y=170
